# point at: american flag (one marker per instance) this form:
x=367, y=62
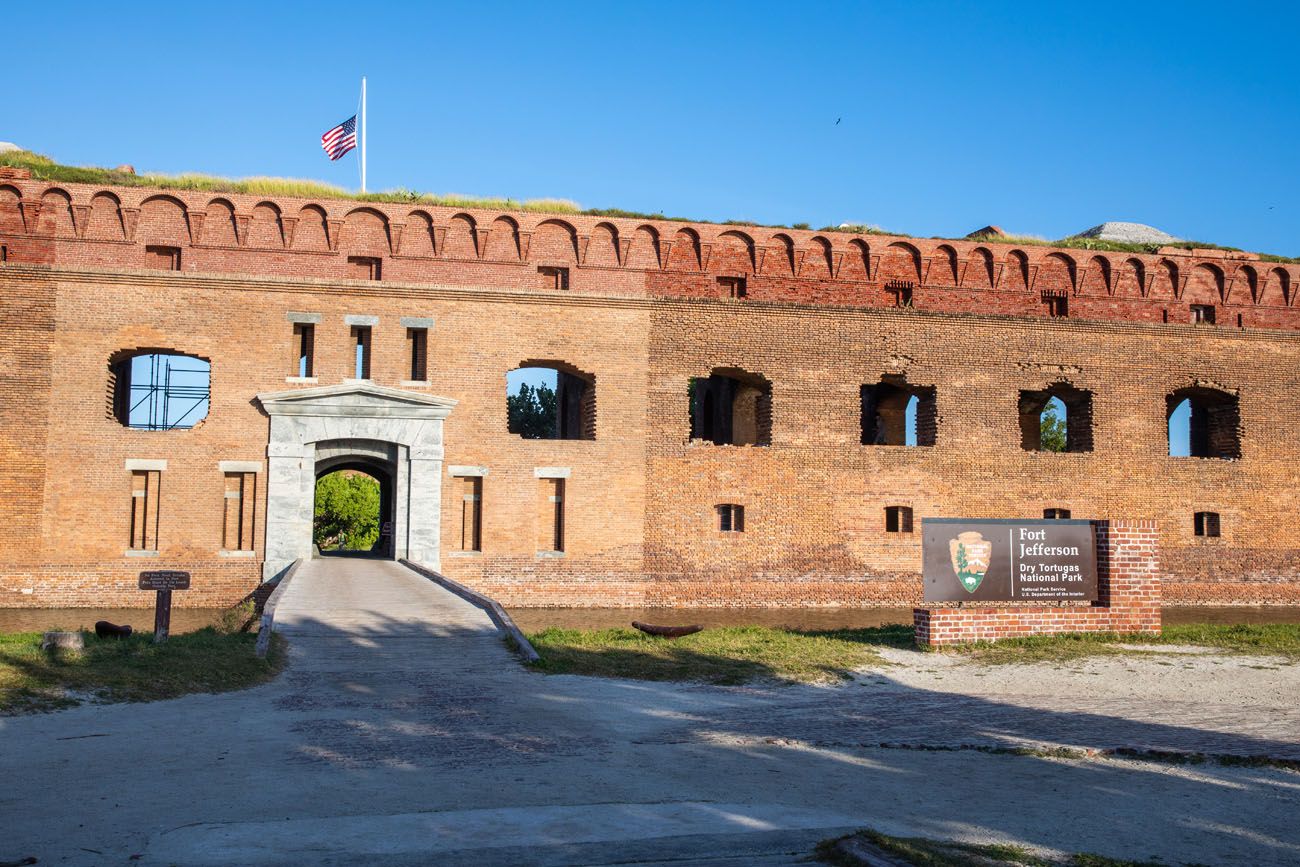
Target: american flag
x=340, y=139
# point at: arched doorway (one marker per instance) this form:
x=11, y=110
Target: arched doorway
x=389, y=433
x=376, y=460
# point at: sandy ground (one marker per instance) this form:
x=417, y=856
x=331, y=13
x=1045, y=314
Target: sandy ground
x=404, y=733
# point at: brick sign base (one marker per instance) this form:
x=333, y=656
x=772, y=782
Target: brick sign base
x=1128, y=584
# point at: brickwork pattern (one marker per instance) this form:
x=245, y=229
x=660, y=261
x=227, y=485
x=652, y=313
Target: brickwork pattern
x=643, y=316
x=1128, y=582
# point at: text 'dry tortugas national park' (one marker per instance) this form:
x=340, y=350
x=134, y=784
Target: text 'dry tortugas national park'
x=743, y=416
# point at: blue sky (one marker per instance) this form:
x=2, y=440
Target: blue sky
x=1042, y=118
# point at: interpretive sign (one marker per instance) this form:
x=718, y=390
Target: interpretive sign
x=1008, y=560
x=164, y=581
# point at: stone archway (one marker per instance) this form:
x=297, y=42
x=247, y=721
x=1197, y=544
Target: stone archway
x=375, y=459
x=364, y=423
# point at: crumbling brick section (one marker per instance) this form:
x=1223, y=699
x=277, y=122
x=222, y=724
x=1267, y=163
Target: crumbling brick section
x=1128, y=598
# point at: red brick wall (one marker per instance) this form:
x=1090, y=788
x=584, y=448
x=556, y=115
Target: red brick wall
x=1128, y=579
x=642, y=318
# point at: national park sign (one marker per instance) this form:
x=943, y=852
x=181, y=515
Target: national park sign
x=1008, y=560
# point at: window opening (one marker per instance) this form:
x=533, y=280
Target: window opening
x=239, y=500
x=902, y=291
x=304, y=344
x=731, y=518
x=1206, y=523
x=160, y=391
x=548, y=401
x=361, y=346
x=145, y=488
x=471, y=513
x=1203, y=314
x=162, y=258
x=1056, y=514
x=1057, y=306
x=731, y=407
x=732, y=287
x=364, y=268
x=418, y=338
x=549, y=277
x=1203, y=423
x=894, y=413
x=1056, y=419
x=898, y=519
x=552, y=515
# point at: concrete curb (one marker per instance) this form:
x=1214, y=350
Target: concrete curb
x=268, y=610
x=500, y=618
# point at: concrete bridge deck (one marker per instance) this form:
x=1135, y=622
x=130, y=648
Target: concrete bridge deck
x=404, y=732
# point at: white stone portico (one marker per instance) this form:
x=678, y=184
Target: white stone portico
x=397, y=430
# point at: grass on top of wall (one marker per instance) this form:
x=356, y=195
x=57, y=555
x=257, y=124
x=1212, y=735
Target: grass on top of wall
x=130, y=669
x=740, y=654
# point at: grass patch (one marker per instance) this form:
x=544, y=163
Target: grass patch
x=925, y=852
x=1272, y=639
x=131, y=669
x=728, y=655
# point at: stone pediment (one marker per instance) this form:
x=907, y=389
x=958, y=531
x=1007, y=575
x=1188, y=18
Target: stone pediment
x=355, y=400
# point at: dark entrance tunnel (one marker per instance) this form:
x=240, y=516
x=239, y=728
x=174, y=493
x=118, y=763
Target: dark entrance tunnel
x=351, y=517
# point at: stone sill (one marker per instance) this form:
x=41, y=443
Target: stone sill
x=302, y=380
x=456, y=554
x=414, y=383
x=550, y=555
x=137, y=552
x=239, y=554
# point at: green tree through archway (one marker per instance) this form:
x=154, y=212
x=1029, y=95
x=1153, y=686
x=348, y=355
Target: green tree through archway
x=347, y=512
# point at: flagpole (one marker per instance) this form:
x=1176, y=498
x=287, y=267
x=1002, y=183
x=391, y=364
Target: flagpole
x=363, y=133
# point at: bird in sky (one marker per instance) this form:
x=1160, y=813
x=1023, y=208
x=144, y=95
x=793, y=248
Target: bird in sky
x=837, y=120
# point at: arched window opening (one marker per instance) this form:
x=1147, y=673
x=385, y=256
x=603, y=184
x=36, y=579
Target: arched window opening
x=897, y=414
x=1203, y=423
x=158, y=390
x=347, y=512
x=731, y=407
x=551, y=401
x=1057, y=419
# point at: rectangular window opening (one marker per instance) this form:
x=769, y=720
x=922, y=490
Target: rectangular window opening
x=1058, y=306
x=162, y=258
x=549, y=277
x=732, y=287
x=1203, y=314
x=361, y=343
x=471, y=513
x=145, y=485
x=898, y=519
x=241, y=498
x=418, y=339
x=304, y=348
x=1056, y=514
x=4, y=253
x=731, y=518
x=364, y=268
x=902, y=292
x=1207, y=524
x=551, y=516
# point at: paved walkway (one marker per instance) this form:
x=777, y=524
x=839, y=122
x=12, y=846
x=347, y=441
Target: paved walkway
x=404, y=732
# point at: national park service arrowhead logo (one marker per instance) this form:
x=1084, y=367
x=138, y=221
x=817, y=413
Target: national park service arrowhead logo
x=971, y=554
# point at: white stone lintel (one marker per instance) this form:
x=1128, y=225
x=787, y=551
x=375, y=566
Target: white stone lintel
x=360, y=319
x=303, y=318
x=141, y=464
x=239, y=466
x=417, y=322
x=552, y=472
x=460, y=471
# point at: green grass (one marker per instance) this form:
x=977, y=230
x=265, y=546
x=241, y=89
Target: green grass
x=924, y=852
x=739, y=654
x=132, y=669
x=729, y=655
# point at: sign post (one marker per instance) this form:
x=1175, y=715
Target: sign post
x=164, y=581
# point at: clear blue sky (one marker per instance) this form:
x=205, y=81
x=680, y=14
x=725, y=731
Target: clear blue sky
x=1042, y=118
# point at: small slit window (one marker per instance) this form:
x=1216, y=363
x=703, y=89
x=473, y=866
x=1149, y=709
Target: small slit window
x=1206, y=524
x=304, y=350
x=731, y=518
x=898, y=519
x=418, y=340
x=1056, y=306
x=1056, y=514
x=361, y=350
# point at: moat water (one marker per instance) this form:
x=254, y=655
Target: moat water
x=533, y=619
